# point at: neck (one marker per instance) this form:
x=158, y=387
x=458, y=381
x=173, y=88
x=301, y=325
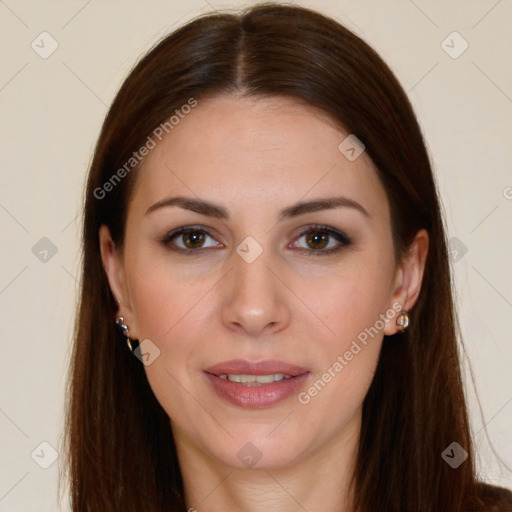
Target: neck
x=318, y=480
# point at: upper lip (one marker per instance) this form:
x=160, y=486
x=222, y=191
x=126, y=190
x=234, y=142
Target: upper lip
x=243, y=367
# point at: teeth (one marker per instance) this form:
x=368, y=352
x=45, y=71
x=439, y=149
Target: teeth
x=254, y=380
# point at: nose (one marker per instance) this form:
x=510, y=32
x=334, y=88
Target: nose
x=255, y=298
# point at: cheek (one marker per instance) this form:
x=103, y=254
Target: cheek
x=351, y=348
x=353, y=301
x=353, y=307
x=161, y=296
x=173, y=310
x=169, y=313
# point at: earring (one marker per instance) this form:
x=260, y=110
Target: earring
x=124, y=330
x=403, y=320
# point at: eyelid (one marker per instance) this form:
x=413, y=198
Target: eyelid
x=343, y=239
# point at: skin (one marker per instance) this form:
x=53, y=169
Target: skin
x=255, y=157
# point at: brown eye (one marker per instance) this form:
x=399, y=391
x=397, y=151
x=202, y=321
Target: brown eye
x=188, y=240
x=193, y=239
x=318, y=239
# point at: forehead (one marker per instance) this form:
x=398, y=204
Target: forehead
x=247, y=150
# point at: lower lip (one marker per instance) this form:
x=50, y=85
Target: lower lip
x=257, y=397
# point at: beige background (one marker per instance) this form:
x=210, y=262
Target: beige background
x=51, y=111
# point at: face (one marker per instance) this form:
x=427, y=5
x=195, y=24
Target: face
x=254, y=284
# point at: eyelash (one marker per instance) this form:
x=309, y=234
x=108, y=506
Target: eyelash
x=338, y=235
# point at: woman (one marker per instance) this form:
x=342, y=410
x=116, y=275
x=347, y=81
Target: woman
x=263, y=231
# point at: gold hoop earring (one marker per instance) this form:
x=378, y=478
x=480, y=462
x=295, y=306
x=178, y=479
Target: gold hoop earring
x=403, y=320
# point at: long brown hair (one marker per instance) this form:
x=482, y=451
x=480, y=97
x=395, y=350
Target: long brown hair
x=121, y=453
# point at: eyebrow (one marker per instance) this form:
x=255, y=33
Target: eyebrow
x=211, y=209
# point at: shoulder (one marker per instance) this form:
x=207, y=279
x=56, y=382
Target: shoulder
x=497, y=499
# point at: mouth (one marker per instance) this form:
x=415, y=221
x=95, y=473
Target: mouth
x=254, y=380
x=256, y=384
x=253, y=368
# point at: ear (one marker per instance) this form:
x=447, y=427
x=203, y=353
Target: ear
x=114, y=268
x=409, y=276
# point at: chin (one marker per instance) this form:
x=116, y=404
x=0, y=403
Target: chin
x=258, y=450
